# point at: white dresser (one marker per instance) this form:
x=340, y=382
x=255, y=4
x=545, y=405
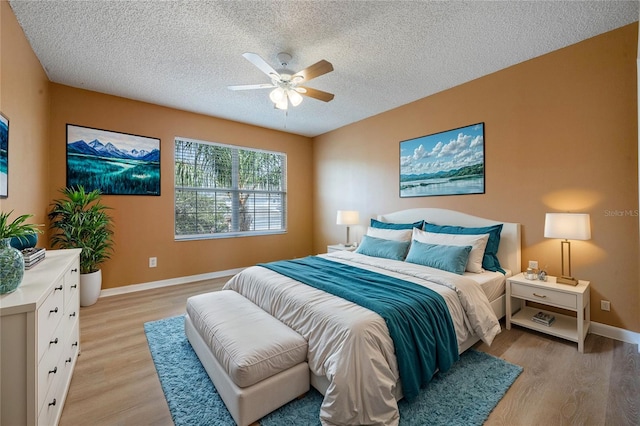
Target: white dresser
x=40, y=340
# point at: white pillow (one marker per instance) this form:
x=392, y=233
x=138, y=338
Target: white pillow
x=390, y=234
x=477, y=242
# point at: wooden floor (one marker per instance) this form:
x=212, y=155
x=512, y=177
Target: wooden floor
x=115, y=381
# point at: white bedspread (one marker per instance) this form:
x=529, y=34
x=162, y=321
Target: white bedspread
x=350, y=345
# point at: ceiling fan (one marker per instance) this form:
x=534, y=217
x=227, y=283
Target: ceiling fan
x=287, y=85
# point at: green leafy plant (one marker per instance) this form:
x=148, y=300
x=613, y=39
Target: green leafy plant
x=80, y=220
x=17, y=228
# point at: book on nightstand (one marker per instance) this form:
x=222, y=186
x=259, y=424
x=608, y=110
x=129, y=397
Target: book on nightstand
x=542, y=318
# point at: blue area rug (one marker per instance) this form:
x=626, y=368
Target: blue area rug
x=465, y=395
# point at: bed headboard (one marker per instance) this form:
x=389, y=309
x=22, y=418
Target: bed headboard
x=509, y=250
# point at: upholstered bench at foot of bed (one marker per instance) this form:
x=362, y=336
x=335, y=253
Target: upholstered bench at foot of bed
x=256, y=363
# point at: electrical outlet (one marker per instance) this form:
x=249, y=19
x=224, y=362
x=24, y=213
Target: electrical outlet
x=533, y=264
x=153, y=262
x=605, y=305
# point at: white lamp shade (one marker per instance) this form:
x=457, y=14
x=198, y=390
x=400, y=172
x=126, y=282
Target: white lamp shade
x=569, y=226
x=348, y=217
x=276, y=95
x=282, y=103
x=294, y=97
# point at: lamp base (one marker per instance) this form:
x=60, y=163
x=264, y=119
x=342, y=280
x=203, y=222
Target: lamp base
x=567, y=281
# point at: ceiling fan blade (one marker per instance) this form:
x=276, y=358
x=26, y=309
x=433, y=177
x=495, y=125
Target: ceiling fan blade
x=251, y=86
x=316, y=70
x=318, y=94
x=261, y=64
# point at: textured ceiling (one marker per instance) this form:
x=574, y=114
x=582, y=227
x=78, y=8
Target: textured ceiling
x=184, y=54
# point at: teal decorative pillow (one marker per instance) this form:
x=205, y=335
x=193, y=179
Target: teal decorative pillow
x=448, y=258
x=378, y=247
x=477, y=242
x=490, y=260
x=388, y=225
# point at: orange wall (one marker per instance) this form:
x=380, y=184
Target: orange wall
x=144, y=224
x=560, y=135
x=38, y=113
x=24, y=99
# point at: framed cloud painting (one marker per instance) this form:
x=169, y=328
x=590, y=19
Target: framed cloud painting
x=115, y=163
x=445, y=163
x=4, y=156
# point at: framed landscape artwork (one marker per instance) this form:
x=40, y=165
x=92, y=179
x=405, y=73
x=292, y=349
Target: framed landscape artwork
x=115, y=163
x=446, y=163
x=4, y=156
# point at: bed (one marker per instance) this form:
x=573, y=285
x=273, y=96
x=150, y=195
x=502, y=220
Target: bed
x=352, y=358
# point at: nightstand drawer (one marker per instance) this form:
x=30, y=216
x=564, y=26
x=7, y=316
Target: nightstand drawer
x=546, y=296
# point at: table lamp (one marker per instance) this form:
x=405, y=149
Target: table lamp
x=348, y=217
x=569, y=226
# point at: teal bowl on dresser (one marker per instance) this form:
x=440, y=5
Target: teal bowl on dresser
x=27, y=241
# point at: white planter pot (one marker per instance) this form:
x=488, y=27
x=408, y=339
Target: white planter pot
x=90, y=286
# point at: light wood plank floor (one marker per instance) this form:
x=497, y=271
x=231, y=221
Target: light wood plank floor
x=115, y=381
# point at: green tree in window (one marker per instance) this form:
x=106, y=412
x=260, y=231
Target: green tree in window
x=232, y=171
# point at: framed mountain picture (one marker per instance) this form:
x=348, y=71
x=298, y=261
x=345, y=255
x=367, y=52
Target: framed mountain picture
x=115, y=163
x=4, y=156
x=445, y=163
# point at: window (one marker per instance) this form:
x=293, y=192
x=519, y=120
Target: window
x=225, y=191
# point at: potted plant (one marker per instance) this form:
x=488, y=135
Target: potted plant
x=11, y=260
x=80, y=220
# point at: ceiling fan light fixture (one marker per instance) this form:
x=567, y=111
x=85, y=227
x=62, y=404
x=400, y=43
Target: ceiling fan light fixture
x=284, y=87
x=277, y=95
x=282, y=104
x=294, y=97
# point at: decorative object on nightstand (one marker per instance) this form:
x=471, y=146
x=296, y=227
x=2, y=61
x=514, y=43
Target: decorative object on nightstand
x=348, y=217
x=569, y=226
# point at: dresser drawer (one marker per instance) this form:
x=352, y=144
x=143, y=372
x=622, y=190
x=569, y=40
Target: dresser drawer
x=72, y=282
x=71, y=315
x=546, y=296
x=70, y=352
x=52, y=405
x=50, y=367
x=49, y=315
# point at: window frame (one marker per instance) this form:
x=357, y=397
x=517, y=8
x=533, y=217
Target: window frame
x=282, y=193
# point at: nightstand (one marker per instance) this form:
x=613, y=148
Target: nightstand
x=550, y=293
x=339, y=247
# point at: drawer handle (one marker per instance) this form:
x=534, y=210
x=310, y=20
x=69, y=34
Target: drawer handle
x=52, y=403
x=71, y=315
x=542, y=296
x=67, y=360
x=74, y=270
x=74, y=344
x=58, y=288
x=54, y=311
x=54, y=371
x=54, y=342
x=74, y=286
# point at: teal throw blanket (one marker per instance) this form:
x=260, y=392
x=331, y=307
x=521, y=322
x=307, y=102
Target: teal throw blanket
x=417, y=317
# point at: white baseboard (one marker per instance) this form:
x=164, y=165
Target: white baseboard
x=165, y=283
x=615, y=333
